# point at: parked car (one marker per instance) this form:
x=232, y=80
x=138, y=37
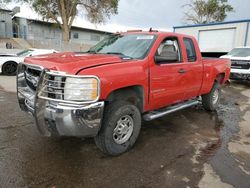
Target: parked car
x=106, y=92
x=8, y=62
x=240, y=68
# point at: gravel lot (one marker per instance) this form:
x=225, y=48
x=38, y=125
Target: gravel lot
x=190, y=148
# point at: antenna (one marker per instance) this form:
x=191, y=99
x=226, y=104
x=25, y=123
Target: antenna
x=151, y=30
x=136, y=30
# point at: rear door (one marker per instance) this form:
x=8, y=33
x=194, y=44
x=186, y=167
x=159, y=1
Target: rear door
x=193, y=69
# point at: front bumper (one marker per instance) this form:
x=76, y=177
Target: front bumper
x=240, y=74
x=58, y=118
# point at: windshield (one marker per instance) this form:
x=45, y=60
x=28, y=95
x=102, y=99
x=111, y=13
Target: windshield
x=131, y=46
x=240, y=52
x=24, y=53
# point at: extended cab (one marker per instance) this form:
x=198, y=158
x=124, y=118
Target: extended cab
x=106, y=92
x=240, y=58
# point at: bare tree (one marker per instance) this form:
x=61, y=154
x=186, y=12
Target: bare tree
x=207, y=11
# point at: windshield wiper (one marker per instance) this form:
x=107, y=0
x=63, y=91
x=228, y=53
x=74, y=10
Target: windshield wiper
x=120, y=54
x=91, y=51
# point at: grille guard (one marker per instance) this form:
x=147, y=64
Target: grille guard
x=57, y=117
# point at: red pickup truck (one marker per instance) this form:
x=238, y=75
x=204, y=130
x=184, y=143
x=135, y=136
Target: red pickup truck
x=106, y=92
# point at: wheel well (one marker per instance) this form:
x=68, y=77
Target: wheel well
x=9, y=62
x=132, y=94
x=220, y=78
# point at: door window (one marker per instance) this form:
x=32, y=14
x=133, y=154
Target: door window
x=190, y=49
x=168, y=51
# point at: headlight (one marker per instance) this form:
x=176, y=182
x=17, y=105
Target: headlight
x=81, y=89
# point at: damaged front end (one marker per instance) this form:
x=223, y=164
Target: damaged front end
x=50, y=97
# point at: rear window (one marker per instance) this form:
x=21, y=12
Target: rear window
x=190, y=49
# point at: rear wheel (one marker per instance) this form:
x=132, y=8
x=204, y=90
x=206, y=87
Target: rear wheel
x=120, y=128
x=211, y=100
x=9, y=68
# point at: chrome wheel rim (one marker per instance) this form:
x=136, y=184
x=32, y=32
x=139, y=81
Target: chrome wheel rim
x=215, y=96
x=123, y=130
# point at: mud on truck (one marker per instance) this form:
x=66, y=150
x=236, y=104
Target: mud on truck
x=128, y=77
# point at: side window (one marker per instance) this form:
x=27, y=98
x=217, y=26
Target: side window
x=191, y=54
x=168, y=51
x=76, y=35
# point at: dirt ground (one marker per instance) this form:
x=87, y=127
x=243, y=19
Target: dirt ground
x=190, y=148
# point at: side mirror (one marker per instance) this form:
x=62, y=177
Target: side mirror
x=166, y=59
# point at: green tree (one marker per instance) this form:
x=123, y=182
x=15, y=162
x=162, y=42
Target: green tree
x=63, y=12
x=207, y=11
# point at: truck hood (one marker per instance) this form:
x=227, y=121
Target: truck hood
x=72, y=63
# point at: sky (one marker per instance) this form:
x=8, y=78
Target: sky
x=143, y=14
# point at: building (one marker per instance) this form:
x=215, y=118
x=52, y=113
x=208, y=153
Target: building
x=37, y=30
x=219, y=38
x=5, y=23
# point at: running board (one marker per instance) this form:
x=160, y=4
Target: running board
x=157, y=114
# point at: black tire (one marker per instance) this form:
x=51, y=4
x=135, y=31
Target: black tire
x=105, y=140
x=9, y=68
x=209, y=101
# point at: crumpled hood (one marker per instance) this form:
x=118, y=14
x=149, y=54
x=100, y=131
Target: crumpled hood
x=72, y=63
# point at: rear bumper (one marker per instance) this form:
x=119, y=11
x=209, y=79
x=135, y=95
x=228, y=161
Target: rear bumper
x=58, y=118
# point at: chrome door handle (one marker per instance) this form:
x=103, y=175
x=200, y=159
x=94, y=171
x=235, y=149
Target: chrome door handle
x=182, y=71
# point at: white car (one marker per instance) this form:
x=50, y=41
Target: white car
x=8, y=62
x=240, y=58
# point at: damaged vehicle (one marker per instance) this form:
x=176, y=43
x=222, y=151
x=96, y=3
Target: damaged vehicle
x=128, y=77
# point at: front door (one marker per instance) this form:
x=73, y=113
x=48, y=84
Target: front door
x=167, y=76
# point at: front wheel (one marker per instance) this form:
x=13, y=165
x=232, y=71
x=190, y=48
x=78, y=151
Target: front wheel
x=120, y=128
x=211, y=100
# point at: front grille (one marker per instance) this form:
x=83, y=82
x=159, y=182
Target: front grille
x=240, y=64
x=32, y=77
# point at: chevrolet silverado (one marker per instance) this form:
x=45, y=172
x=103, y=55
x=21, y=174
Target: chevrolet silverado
x=128, y=77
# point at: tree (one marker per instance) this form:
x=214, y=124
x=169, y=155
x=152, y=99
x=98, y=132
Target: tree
x=3, y=3
x=207, y=11
x=63, y=12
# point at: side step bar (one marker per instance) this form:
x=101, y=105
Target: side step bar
x=157, y=114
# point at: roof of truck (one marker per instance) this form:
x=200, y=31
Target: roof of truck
x=154, y=32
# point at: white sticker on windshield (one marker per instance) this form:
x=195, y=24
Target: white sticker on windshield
x=145, y=37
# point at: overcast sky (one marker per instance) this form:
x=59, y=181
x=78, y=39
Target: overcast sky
x=161, y=14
